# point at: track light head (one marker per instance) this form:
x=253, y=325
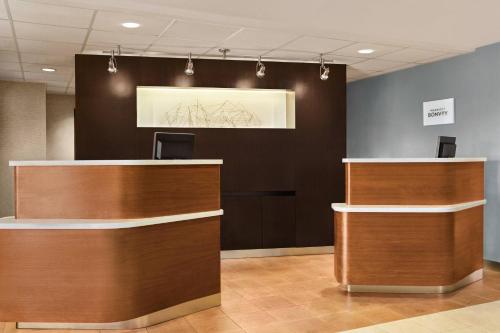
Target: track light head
x=260, y=69
x=189, y=70
x=112, y=64
x=324, y=71
x=224, y=52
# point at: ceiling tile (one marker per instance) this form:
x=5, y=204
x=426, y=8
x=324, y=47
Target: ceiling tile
x=49, y=32
x=52, y=59
x=351, y=77
x=120, y=38
x=258, y=39
x=175, y=50
x=29, y=11
x=44, y=47
x=239, y=53
x=61, y=71
x=380, y=49
x=290, y=55
x=340, y=59
x=316, y=44
x=3, y=12
x=100, y=48
x=10, y=75
x=439, y=57
x=377, y=65
x=182, y=42
x=5, y=29
x=346, y=60
x=112, y=21
x=44, y=77
x=10, y=66
x=8, y=56
x=411, y=55
x=59, y=84
x=358, y=72
x=7, y=44
x=200, y=31
x=399, y=68
x=353, y=74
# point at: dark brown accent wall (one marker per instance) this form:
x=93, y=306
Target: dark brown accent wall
x=304, y=162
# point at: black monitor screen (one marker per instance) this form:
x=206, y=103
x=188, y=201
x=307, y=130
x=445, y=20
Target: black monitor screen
x=169, y=146
x=446, y=147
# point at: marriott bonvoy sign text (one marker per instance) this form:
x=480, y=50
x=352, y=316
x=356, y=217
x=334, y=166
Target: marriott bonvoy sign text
x=439, y=112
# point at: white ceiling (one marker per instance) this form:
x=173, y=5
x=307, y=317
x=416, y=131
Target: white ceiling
x=47, y=33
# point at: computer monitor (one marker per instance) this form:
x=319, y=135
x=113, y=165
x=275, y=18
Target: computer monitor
x=446, y=147
x=171, y=146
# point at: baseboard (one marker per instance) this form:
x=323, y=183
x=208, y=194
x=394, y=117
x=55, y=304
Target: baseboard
x=277, y=252
x=151, y=319
x=399, y=289
x=492, y=265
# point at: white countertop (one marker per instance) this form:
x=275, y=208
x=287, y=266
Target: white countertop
x=114, y=162
x=414, y=160
x=93, y=224
x=342, y=207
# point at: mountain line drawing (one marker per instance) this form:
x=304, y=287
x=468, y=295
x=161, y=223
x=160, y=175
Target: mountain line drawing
x=224, y=114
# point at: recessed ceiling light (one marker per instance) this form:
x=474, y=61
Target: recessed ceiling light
x=131, y=25
x=48, y=69
x=366, y=51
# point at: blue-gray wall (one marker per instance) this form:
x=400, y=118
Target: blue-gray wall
x=384, y=118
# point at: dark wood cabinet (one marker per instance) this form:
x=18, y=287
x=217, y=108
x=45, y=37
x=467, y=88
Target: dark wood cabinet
x=278, y=221
x=255, y=220
x=241, y=224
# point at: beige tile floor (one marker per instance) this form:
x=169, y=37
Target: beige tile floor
x=300, y=294
x=477, y=318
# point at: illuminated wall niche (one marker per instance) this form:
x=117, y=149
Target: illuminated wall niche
x=215, y=107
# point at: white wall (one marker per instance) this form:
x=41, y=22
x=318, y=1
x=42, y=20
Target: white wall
x=22, y=132
x=60, y=127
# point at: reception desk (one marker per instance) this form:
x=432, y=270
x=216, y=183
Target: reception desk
x=110, y=244
x=410, y=225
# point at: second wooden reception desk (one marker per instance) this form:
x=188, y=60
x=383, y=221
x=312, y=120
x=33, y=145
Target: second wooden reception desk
x=110, y=244
x=410, y=225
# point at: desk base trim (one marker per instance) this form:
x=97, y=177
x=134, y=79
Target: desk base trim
x=151, y=319
x=473, y=277
x=276, y=252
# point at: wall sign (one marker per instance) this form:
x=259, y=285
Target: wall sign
x=439, y=112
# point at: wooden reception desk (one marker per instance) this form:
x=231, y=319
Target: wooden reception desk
x=410, y=225
x=110, y=244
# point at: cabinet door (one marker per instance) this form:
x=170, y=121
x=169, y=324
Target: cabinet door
x=278, y=221
x=241, y=226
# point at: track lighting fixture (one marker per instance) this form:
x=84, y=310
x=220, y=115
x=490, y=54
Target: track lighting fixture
x=189, y=70
x=260, y=69
x=324, y=71
x=224, y=52
x=112, y=65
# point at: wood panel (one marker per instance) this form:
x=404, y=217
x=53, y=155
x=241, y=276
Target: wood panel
x=306, y=160
x=101, y=276
x=115, y=192
x=407, y=249
x=414, y=183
